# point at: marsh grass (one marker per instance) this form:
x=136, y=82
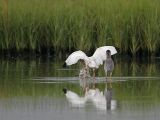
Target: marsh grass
x=53, y=26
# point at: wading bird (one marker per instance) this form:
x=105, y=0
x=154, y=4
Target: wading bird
x=92, y=62
x=108, y=66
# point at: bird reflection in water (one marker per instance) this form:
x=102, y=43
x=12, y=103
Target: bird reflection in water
x=108, y=93
x=101, y=100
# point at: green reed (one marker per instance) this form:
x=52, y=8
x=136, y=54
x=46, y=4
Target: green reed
x=63, y=26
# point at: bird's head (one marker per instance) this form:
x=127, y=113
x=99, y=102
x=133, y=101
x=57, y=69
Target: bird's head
x=64, y=65
x=108, y=53
x=64, y=90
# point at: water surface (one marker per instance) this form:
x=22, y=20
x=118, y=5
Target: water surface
x=32, y=90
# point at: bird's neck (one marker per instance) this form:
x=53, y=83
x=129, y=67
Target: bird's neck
x=108, y=57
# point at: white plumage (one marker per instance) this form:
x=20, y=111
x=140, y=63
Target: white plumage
x=75, y=56
x=95, y=60
x=92, y=62
x=101, y=52
x=74, y=99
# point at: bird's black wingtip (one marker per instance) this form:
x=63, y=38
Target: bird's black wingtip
x=64, y=90
x=117, y=48
x=64, y=65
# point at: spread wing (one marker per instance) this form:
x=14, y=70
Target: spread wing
x=75, y=56
x=100, y=54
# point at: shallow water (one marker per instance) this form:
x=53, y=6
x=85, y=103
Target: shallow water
x=32, y=90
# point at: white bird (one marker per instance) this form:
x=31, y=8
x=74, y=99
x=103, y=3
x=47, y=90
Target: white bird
x=92, y=62
x=95, y=60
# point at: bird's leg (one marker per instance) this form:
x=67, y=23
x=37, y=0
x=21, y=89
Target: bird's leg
x=110, y=74
x=107, y=77
x=85, y=77
x=94, y=78
x=86, y=90
x=84, y=83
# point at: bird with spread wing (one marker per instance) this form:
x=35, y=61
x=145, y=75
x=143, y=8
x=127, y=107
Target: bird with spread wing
x=92, y=62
